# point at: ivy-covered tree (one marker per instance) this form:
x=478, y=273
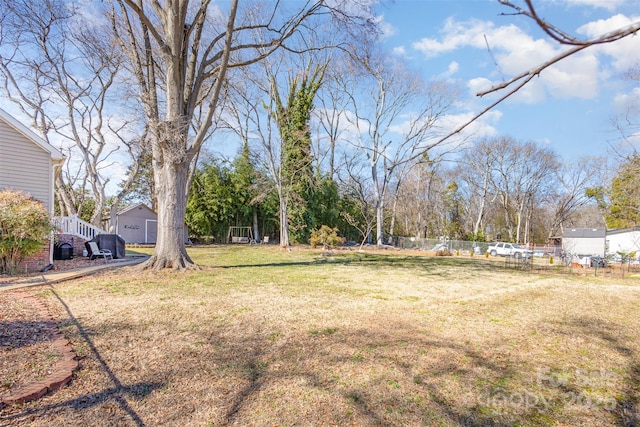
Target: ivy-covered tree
x=453, y=206
x=292, y=117
x=325, y=203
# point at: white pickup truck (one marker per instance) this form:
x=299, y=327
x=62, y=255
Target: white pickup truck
x=508, y=249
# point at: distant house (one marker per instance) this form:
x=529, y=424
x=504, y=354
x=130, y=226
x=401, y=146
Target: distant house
x=137, y=223
x=28, y=163
x=623, y=240
x=584, y=241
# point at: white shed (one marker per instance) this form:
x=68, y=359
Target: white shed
x=584, y=241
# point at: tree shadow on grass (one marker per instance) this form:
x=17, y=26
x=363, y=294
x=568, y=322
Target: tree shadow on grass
x=627, y=402
x=382, y=262
x=373, y=373
x=21, y=333
x=385, y=386
x=440, y=407
x=116, y=393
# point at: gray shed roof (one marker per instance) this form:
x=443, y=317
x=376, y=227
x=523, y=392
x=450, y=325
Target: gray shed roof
x=134, y=206
x=587, y=233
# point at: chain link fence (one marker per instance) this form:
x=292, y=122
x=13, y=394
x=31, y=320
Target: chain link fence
x=545, y=258
x=464, y=246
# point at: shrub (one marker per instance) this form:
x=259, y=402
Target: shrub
x=325, y=236
x=25, y=226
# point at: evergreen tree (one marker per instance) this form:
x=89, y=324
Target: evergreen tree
x=453, y=205
x=212, y=202
x=624, y=195
x=325, y=203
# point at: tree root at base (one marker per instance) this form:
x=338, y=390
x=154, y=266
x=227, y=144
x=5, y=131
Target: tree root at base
x=179, y=263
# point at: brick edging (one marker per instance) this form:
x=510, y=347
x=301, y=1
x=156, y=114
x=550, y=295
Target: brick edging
x=62, y=371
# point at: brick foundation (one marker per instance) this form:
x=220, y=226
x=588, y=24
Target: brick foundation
x=35, y=262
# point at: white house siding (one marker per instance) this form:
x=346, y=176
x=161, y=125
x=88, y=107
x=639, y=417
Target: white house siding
x=584, y=241
x=583, y=246
x=623, y=241
x=25, y=166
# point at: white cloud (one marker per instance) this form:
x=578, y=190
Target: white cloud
x=515, y=51
x=626, y=52
x=452, y=68
x=575, y=77
x=456, y=35
x=479, y=84
x=387, y=29
x=532, y=93
x=399, y=51
x=628, y=103
x=605, y=4
x=481, y=128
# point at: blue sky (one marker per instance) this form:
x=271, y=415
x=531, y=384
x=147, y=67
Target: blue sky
x=568, y=107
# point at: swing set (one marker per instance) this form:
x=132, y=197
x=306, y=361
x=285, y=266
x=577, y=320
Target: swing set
x=240, y=235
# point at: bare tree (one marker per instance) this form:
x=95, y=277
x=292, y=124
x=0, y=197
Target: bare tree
x=62, y=73
x=395, y=117
x=520, y=171
x=569, y=196
x=179, y=54
x=476, y=167
x=358, y=189
x=627, y=123
x=519, y=175
x=532, y=175
x=331, y=121
x=419, y=209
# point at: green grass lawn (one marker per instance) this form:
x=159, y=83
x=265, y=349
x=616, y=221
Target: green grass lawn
x=266, y=337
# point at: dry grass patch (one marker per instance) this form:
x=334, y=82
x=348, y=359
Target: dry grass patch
x=267, y=337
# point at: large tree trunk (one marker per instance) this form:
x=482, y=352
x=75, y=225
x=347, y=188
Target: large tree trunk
x=170, y=252
x=379, y=223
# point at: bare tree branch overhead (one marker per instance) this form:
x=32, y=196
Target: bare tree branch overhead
x=516, y=83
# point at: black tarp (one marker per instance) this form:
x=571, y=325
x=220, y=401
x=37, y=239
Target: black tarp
x=112, y=242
